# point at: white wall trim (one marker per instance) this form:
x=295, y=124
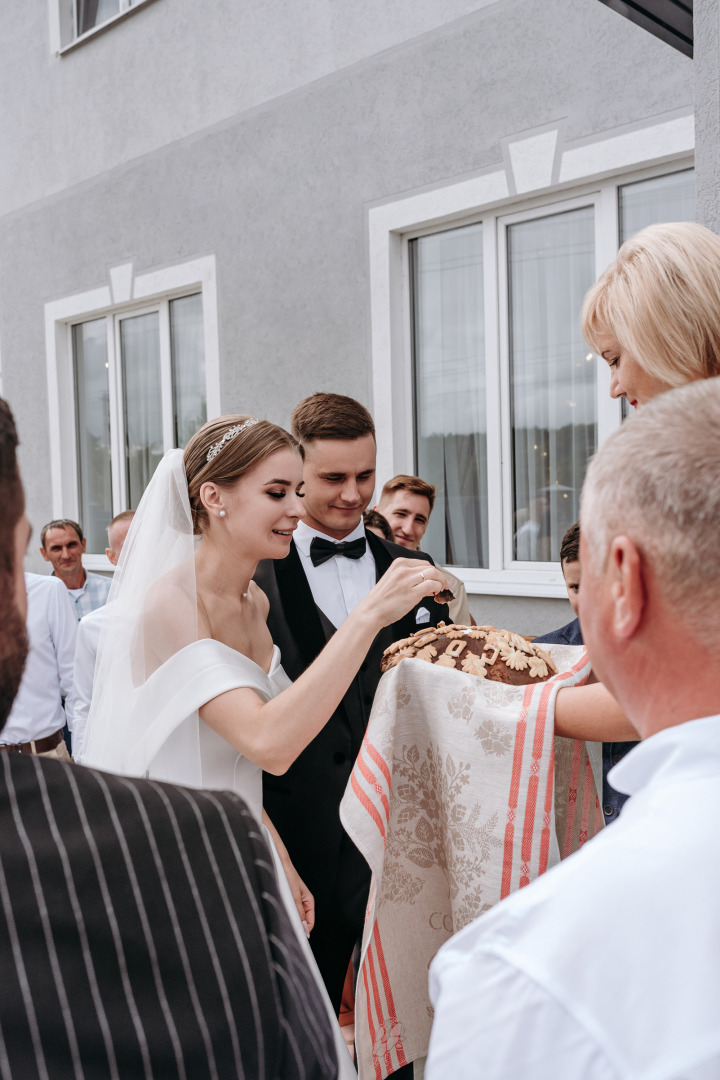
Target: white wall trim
x=540, y=162
x=123, y=291
x=629, y=149
x=532, y=160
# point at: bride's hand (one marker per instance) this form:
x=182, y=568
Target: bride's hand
x=404, y=585
x=304, y=899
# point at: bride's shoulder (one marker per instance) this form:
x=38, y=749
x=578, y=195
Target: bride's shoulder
x=174, y=591
x=169, y=617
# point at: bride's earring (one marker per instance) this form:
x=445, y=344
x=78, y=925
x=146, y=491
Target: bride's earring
x=223, y=513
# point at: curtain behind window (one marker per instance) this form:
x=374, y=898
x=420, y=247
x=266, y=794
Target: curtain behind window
x=140, y=350
x=90, y=13
x=451, y=430
x=551, y=265
x=92, y=404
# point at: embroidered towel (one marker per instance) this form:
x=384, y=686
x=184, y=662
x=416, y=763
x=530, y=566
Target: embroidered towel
x=457, y=798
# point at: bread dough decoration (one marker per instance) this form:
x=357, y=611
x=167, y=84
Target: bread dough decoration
x=485, y=651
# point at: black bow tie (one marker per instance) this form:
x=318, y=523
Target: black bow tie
x=322, y=550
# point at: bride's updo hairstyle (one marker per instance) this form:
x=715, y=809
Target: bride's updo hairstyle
x=236, y=456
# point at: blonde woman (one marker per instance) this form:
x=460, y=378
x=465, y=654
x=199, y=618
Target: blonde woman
x=654, y=315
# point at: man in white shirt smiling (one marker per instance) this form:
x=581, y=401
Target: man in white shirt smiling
x=62, y=543
x=607, y=967
x=406, y=502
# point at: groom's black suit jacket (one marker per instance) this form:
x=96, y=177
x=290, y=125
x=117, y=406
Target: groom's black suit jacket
x=142, y=936
x=303, y=804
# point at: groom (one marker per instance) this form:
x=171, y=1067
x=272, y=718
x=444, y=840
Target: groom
x=333, y=563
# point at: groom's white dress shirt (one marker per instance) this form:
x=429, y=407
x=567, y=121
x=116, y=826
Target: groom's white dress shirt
x=52, y=628
x=608, y=966
x=339, y=584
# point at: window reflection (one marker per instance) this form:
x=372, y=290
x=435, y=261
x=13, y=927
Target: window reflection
x=188, y=364
x=551, y=264
x=91, y=13
x=140, y=349
x=93, y=430
x=451, y=429
x=649, y=202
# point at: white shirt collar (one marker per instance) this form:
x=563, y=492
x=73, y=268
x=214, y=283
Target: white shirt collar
x=304, y=535
x=670, y=754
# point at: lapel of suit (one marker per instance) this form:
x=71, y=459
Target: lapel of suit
x=299, y=606
x=380, y=554
x=383, y=560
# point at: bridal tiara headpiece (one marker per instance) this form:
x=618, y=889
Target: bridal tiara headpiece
x=229, y=434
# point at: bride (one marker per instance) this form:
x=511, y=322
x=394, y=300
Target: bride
x=188, y=684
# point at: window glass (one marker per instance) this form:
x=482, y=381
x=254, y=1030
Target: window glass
x=451, y=429
x=188, y=366
x=93, y=430
x=649, y=202
x=551, y=264
x=140, y=352
x=90, y=13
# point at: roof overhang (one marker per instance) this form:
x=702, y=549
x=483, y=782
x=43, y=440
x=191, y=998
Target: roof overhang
x=670, y=20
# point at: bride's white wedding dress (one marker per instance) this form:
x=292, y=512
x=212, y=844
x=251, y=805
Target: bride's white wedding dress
x=171, y=696
x=176, y=745
x=147, y=724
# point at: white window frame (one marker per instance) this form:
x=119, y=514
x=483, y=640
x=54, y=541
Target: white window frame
x=125, y=295
x=63, y=23
x=542, y=175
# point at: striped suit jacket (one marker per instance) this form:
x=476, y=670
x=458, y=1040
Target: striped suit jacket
x=142, y=936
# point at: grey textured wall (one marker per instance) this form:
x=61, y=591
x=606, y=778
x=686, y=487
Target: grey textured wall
x=524, y=615
x=171, y=69
x=279, y=191
x=706, y=29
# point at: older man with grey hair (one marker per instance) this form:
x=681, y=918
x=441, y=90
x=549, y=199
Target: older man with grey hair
x=607, y=967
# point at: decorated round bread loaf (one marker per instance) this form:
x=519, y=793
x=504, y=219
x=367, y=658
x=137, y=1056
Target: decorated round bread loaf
x=484, y=651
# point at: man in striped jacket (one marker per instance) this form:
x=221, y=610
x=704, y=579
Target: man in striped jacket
x=141, y=931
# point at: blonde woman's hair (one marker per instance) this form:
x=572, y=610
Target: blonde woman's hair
x=236, y=457
x=657, y=480
x=661, y=300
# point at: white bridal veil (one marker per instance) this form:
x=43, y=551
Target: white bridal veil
x=144, y=686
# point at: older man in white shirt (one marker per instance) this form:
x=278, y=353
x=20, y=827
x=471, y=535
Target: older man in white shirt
x=608, y=966
x=43, y=703
x=62, y=543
